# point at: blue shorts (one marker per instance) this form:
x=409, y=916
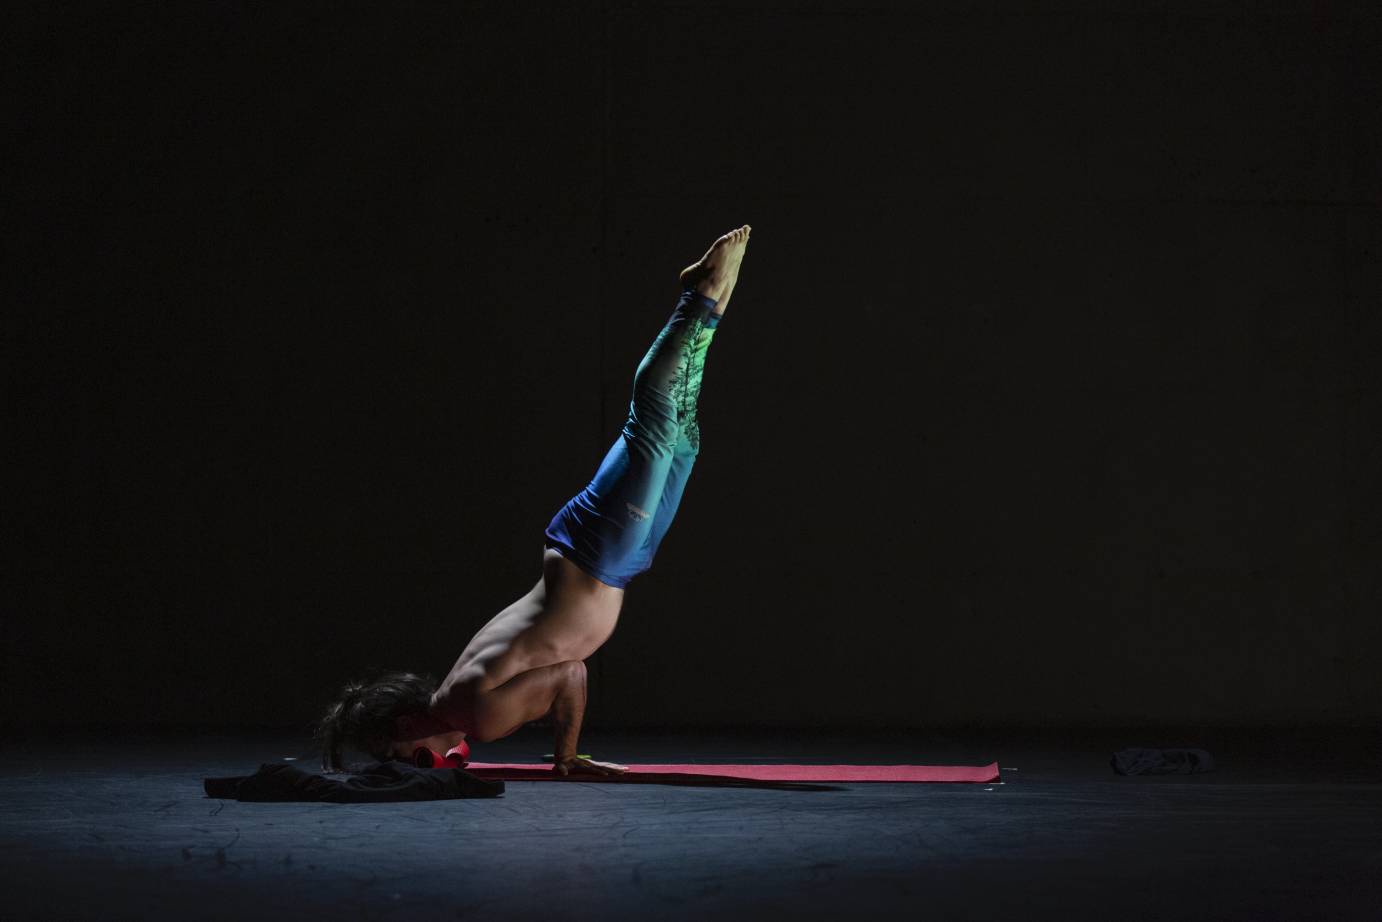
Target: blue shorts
x=613, y=527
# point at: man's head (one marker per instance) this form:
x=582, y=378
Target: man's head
x=366, y=716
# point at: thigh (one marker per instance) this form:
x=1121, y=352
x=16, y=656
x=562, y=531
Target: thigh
x=629, y=485
x=679, y=471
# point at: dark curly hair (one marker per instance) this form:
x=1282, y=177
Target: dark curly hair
x=364, y=716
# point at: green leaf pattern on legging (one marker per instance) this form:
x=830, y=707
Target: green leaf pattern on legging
x=686, y=385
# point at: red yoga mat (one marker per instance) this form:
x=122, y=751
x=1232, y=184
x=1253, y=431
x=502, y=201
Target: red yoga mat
x=711, y=774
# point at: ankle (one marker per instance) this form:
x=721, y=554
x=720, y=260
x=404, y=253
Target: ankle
x=710, y=288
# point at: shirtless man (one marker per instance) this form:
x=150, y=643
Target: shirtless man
x=528, y=661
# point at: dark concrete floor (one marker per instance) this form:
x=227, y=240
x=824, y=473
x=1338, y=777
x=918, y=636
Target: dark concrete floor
x=1289, y=827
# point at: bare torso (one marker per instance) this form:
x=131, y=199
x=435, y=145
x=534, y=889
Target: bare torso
x=566, y=616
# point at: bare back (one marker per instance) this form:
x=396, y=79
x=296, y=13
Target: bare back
x=566, y=616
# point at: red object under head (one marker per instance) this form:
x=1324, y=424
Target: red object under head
x=429, y=758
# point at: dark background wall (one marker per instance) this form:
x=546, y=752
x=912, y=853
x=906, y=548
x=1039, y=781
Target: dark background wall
x=1047, y=395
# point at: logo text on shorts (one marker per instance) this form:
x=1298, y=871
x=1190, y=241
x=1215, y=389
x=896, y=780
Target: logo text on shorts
x=635, y=513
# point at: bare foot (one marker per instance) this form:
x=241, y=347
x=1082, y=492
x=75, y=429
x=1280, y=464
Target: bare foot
x=715, y=273
x=722, y=302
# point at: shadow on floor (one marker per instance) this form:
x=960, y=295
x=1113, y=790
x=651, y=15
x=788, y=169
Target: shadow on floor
x=1288, y=827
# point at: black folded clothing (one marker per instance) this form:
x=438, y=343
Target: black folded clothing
x=380, y=782
x=1162, y=762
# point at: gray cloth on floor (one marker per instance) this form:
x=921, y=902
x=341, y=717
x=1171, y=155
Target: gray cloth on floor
x=1162, y=762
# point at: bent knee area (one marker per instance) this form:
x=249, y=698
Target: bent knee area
x=656, y=440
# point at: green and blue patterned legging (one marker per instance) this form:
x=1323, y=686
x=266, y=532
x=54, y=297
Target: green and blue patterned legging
x=613, y=527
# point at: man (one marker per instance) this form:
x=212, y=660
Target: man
x=528, y=661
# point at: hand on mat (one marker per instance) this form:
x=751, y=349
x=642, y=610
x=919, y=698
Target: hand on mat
x=579, y=765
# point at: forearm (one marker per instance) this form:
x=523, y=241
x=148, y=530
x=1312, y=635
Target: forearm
x=568, y=711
